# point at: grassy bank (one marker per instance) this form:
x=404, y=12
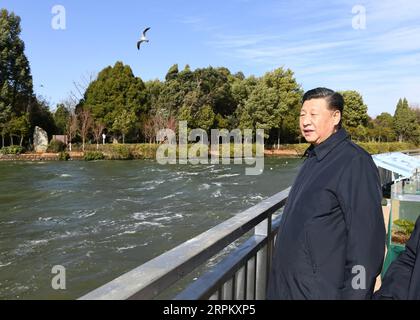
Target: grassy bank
x=371, y=147
x=148, y=151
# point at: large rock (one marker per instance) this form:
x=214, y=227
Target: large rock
x=40, y=140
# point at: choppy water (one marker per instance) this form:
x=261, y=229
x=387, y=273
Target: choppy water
x=101, y=219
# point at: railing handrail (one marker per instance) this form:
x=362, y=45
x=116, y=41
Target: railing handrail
x=411, y=151
x=154, y=276
x=204, y=286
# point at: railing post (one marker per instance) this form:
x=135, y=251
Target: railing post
x=240, y=281
x=263, y=258
x=227, y=290
x=250, y=279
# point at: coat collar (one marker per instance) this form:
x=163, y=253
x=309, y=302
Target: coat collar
x=325, y=147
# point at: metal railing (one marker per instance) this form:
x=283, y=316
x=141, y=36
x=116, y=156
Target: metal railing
x=412, y=152
x=242, y=274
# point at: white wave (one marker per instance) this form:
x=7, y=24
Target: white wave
x=5, y=265
x=129, y=199
x=60, y=192
x=125, y=248
x=127, y=232
x=219, y=184
x=145, y=188
x=216, y=194
x=156, y=182
x=169, y=218
x=175, y=179
x=45, y=219
x=204, y=186
x=67, y=234
x=141, y=215
x=182, y=173
x=148, y=223
x=84, y=213
x=227, y=175
x=107, y=223
x=8, y=222
x=38, y=242
x=65, y=175
x=172, y=195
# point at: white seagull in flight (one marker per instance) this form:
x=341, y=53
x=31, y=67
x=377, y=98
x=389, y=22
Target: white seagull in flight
x=143, y=38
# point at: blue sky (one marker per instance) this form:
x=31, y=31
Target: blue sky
x=313, y=38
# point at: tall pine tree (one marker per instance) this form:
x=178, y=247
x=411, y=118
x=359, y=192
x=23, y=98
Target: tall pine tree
x=404, y=120
x=16, y=89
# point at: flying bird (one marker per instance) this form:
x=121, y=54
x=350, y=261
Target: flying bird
x=143, y=38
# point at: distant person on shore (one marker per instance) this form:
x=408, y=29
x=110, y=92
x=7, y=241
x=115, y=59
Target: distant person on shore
x=402, y=279
x=331, y=239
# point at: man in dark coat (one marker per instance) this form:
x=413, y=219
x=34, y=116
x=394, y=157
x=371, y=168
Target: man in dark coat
x=402, y=279
x=331, y=239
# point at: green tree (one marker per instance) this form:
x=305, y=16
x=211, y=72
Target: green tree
x=384, y=127
x=124, y=123
x=205, y=118
x=61, y=118
x=355, y=112
x=288, y=101
x=259, y=109
x=41, y=116
x=273, y=105
x=172, y=73
x=19, y=126
x=184, y=114
x=16, y=89
x=116, y=89
x=404, y=120
x=5, y=116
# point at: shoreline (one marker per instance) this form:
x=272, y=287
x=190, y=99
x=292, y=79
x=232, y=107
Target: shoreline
x=40, y=156
x=79, y=156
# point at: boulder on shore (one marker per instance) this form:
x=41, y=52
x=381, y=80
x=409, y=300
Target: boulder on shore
x=40, y=140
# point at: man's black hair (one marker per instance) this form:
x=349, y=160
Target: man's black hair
x=334, y=100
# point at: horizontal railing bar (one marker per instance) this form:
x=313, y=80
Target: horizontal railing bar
x=205, y=286
x=156, y=275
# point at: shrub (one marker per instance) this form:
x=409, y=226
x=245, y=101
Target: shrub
x=384, y=147
x=63, y=156
x=12, y=150
x=405, y=226
x=300, y=148
x=122, y=152
x=56, y=146
x=94, y=155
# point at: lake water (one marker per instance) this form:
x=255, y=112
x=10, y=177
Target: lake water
x=101, y=219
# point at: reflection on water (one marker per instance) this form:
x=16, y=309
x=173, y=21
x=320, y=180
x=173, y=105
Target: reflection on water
x=101, y=219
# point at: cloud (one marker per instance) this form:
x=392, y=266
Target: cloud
x=319, y=44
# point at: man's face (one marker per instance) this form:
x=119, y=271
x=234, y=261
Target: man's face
x=317, y=122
